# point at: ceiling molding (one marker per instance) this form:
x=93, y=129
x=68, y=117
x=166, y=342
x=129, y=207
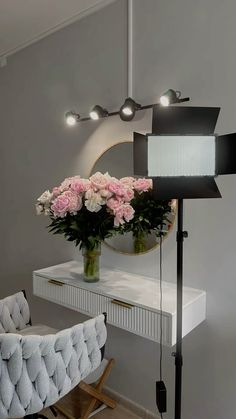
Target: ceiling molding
x=92, y=9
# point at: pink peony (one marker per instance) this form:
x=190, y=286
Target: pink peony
x=128, y=194
x=128, y=181
x=66, y=202
x=79, y=185
x=116, y=187
x=56, y=191
x=75, y=202
x=66, y=184
x=99, y=180
x=114, y=203
x=128, y=212
x=60, y=205
x=143, y=185
x=123, y=213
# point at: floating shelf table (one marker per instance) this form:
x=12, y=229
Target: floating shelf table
x=132, y=302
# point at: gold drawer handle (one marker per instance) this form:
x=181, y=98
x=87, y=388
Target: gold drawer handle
x=55, y=282
x=122, y=304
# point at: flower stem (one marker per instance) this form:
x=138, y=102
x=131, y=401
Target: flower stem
x=91, y=264
x=140, y=243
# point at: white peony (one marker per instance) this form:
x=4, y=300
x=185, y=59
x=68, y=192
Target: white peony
x=105, y=193
x=93, y=201
x=45, y=198
x=39, y=209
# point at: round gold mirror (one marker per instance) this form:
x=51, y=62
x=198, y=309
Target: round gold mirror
x=118, y=162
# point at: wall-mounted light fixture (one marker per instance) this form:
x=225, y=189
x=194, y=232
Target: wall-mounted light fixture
x=72, y=118
x=172, y=96
x=127, y=110
x=98, y=112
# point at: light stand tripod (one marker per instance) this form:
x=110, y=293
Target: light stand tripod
x=181, y=235
x=183, y=164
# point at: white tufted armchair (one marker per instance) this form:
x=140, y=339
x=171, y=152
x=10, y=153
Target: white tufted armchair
x=38, y=367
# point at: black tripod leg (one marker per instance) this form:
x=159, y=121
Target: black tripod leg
x=178, y=354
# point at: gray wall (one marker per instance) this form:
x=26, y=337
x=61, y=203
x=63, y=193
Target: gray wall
x=185, y=44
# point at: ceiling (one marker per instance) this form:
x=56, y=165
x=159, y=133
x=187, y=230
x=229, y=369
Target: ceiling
x=23, y=22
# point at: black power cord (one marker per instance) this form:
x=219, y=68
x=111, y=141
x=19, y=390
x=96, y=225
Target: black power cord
x=160, y=386
x=161, y=310
x=161, y=313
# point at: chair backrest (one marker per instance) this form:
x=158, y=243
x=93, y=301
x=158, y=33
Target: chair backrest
x=14, y=313
x=36, y=371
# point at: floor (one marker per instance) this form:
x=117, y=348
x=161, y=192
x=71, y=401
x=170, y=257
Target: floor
x=119, y=413
x=75, y=402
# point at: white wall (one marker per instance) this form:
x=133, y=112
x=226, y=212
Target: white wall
x=184, y=44
x=190, y=45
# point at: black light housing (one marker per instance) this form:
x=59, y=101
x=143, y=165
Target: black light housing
x=128, y=109
x=98, y=112
x=192, y=160
x=172, y=96
x=71, y=118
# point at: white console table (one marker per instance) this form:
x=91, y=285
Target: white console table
x=131, y=301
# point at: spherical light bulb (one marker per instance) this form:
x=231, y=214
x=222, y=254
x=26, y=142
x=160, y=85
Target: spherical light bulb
x=164, y=101
x=98, y=112
x=169, y=97
x=127, y=111
x=94, y=115
x=71, y=118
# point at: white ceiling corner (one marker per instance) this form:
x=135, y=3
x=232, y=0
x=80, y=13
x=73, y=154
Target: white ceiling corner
x=23, y=22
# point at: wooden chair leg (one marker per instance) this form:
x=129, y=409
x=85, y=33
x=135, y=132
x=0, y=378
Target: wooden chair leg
x=96, y=392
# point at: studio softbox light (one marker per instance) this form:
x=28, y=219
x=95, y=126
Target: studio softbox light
x=183, y=158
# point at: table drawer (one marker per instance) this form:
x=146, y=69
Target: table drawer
x=134, y=319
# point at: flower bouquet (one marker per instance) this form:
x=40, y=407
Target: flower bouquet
x=87, y=211
x=151, y=216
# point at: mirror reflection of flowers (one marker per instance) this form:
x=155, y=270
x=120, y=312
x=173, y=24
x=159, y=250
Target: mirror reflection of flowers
x=151, y=216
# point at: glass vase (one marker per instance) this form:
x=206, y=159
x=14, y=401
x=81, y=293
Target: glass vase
x=140, y=243
x=92, y=263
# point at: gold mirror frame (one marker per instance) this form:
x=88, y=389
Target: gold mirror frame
x=110, y=246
